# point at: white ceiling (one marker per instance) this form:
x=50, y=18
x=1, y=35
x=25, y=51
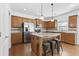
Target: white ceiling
x=34, y=9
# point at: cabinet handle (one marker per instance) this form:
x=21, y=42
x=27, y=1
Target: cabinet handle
x=6, y=36
x=0, y=34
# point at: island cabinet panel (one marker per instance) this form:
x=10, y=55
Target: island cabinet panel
x=35, y=45
x=16, y=38
x=68, y=37
x=73, y=21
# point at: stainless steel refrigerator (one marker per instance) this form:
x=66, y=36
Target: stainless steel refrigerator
x=26, y=33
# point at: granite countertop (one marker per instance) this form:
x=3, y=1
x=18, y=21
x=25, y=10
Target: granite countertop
x=70, y=31
x=57, y=31
x=46, y=35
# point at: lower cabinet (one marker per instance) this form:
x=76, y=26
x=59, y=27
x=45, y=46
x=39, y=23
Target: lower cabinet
x=68, y=37
x=16, y=38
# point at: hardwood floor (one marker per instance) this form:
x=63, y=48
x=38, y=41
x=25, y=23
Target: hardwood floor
x=21, y=50
x=25, y=50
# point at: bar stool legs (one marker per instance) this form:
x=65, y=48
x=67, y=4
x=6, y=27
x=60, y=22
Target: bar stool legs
x=58, y=46
x=54, y=44
x=51, y=47
x=46, y=48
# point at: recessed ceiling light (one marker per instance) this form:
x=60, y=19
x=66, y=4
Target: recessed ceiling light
x=24, y=9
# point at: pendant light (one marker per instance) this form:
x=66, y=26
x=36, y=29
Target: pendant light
x=42, y=17
x=52, y=12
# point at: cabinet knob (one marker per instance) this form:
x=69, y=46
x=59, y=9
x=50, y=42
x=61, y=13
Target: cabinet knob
x=0, y=34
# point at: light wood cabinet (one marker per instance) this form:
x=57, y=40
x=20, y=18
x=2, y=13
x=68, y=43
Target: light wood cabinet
x=73, y=21
x=63, y=37
x=16, y=21
x=34, y=45
x=51, y=25
x=45, y=24
x=68, y=37
x=28, y=20
x=48, y=25
x=16, y=38
x=37, y=21
x=19, y=21
x=34, y=21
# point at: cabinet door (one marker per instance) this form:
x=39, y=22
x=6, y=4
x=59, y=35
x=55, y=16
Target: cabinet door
x=63, y=37
x=48, y=25
x=45, y=26
x=16, y=38
x=39, y=21
x=72, y=21
x=16, y=21
x=51, y=25
x=19, y=23
x=70, y=38
x=34, y=21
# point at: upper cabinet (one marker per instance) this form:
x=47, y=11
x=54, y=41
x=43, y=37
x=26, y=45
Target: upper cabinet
x=49, y=24
x=45, y=24
x=37, y=21
x=34, y=21
x=28, y=20
x=16, y=21
x=73, y=21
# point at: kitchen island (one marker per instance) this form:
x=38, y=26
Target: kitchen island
x=37, y=40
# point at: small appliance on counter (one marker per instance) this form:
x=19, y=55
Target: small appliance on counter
x=37, y=29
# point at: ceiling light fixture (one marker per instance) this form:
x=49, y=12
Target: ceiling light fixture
x=52, y=12
x=24, y=9
x=41, y=17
